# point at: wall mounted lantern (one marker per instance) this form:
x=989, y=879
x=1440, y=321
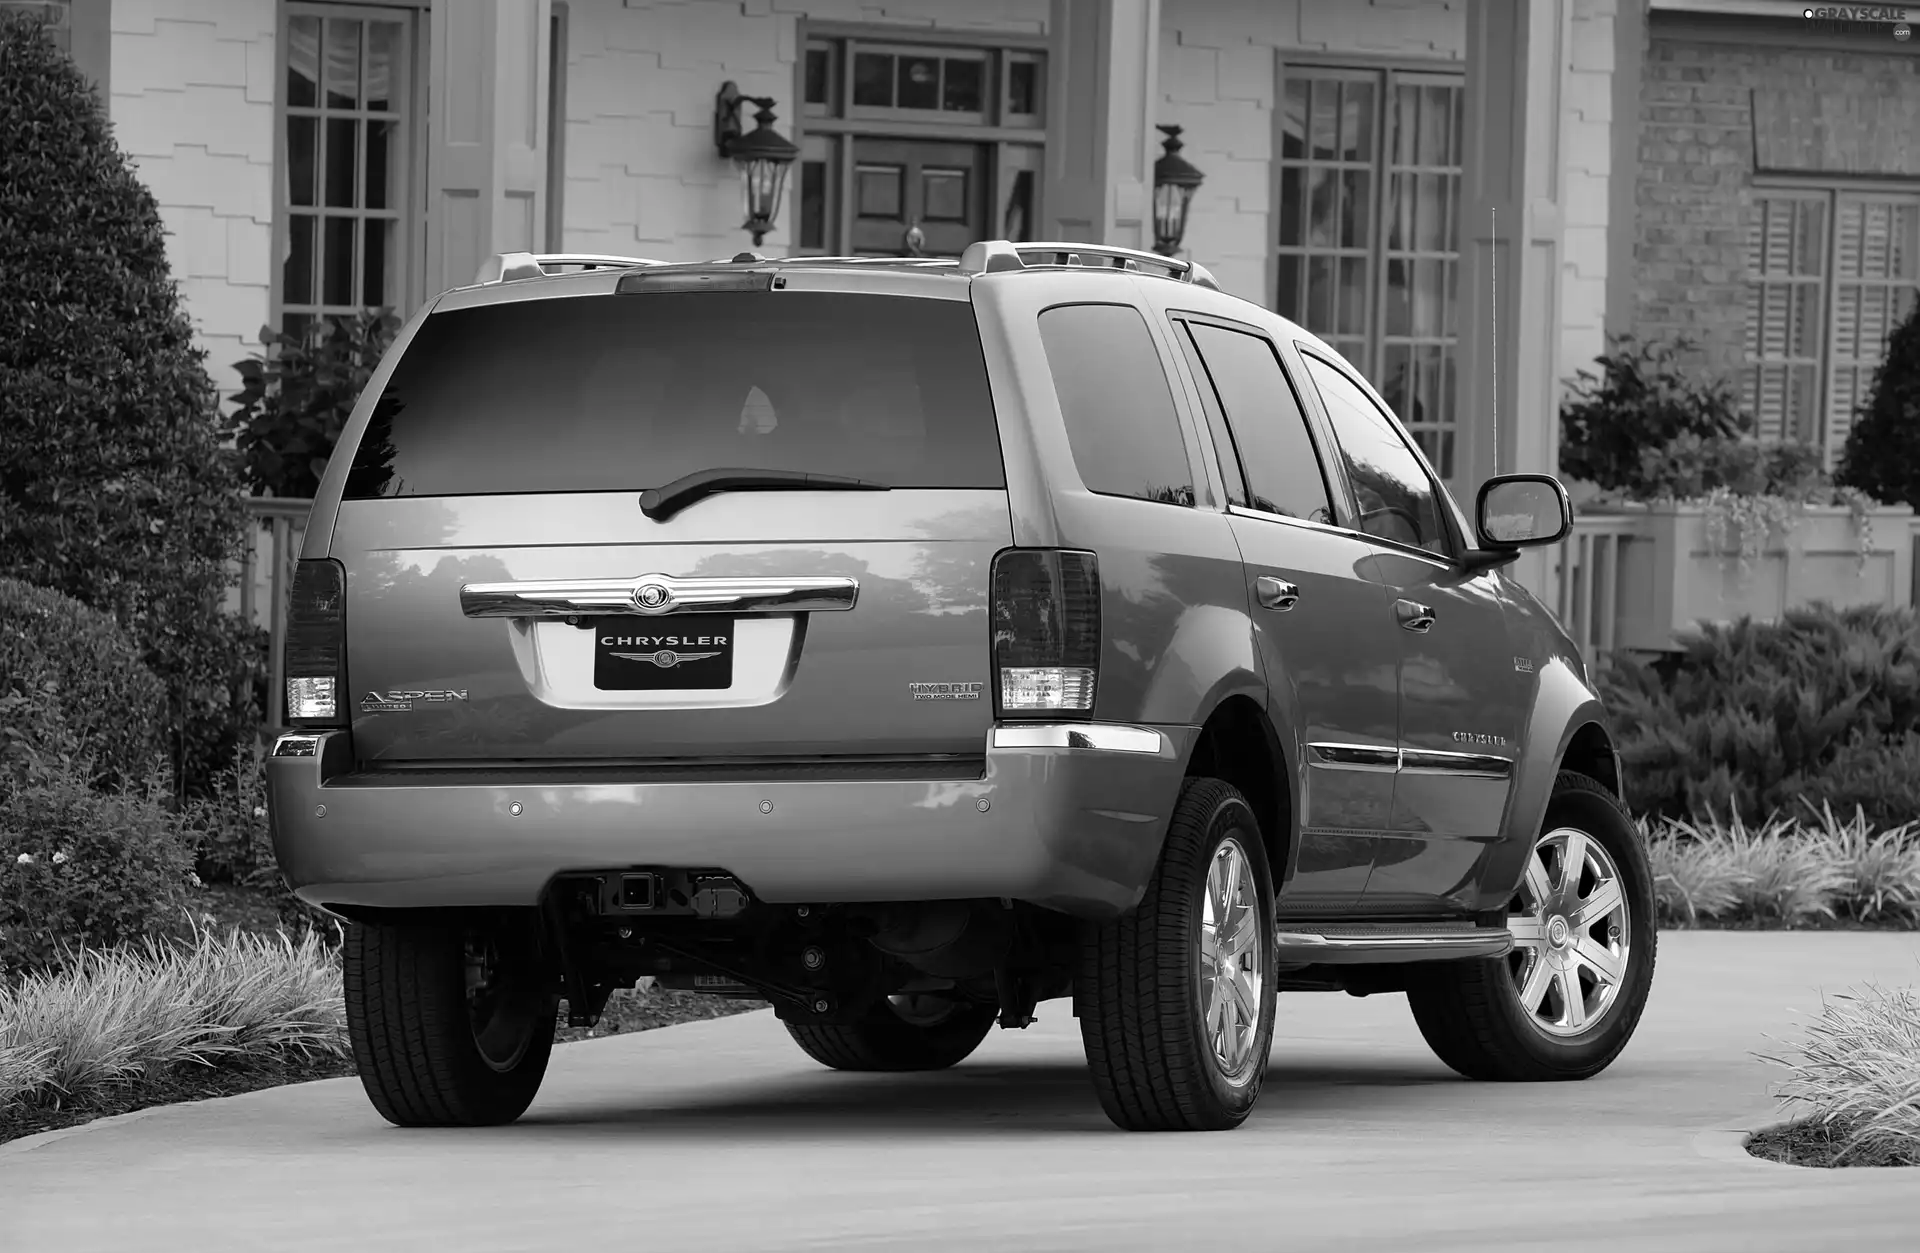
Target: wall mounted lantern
x=1175, y=179
x=762, y=156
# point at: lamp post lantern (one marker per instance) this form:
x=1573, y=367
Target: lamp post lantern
x=762, y=156
x=1175, y=179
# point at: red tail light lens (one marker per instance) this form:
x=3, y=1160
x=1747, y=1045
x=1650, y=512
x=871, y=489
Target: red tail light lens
x=316, y=652
x=1046, y=630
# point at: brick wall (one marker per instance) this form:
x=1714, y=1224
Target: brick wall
x=642, y=174
x=1697, y=168
x=192, y=105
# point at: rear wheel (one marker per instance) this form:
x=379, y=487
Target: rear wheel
x=1176, y=999
x=451, y=1025
x=1566, y=1000
x=899, y=1033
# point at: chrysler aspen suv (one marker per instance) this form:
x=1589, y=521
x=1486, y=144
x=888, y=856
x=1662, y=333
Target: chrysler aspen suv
x=911, y=642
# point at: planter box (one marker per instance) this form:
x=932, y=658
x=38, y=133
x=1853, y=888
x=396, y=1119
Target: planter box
x=1667, y=575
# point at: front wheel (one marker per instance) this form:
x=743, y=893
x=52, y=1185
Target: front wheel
x=1566, y=1000
x=451, y=1025
x=1176, y=999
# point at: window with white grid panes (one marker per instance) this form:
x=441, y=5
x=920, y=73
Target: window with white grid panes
x=1369, y=231
x=1830, y=273
x=345, y=185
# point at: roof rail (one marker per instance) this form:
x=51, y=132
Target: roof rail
x=990, y=256
x=505, y=267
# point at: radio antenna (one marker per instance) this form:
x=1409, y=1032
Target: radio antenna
x=1493, y=264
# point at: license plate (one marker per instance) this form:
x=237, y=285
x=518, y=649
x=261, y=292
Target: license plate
x=692, y=652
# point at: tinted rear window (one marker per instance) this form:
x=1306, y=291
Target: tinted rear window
x=627, y=392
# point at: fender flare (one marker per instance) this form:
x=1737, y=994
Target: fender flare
x=1565, y=707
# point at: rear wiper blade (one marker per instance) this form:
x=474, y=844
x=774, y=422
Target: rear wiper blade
x=661, y=503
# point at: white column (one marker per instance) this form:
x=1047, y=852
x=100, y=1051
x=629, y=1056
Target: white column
x=1103, y=97
x=486, y=160
x=1517, y=54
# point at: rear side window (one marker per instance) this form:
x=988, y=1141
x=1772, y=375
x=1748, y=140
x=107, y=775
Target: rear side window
x=627, y=392
x=1265, y=423
x=1117, y=403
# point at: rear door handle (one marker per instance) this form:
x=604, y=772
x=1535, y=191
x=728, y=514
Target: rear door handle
x=1414, y=617
x=1277, y=594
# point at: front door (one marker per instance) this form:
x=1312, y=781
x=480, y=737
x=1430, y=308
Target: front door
x=918, y=198
x=1322, y=624
x=1461, y=693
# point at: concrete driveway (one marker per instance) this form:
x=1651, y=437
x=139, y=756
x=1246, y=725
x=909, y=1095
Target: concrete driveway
x=721, y=1136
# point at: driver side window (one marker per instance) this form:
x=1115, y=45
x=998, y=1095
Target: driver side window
x=1397, y=500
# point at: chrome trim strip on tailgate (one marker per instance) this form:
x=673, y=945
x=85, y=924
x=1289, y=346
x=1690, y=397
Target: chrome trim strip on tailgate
x=652, y=595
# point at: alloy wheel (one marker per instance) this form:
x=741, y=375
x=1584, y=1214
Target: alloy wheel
x=1571, y=934
x=1231, y=961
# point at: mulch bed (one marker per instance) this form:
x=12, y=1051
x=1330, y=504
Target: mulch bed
x=627, y=1012
x=1803, y=924
x=1818, y=1145
x=196, y=1083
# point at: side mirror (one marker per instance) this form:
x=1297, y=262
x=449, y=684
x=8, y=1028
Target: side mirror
x=1517, y=511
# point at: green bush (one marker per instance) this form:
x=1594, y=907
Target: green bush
x=1784, y=872
x=1882, y=454
x=84, y=867
x=68, y=668
x=1616, y=426
x=1751, y=718
x=114, y=485
x=124, y=1018
x=298, y=395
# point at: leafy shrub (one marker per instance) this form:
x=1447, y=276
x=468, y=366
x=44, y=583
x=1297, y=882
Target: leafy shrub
x=114, y=486
x=1822, y=706
x=1858, y=1067
x=1879, y=871
x=298, y=395
x=79, y=866
x=1784, y=872
x=1616, y=425
x=1692, y=466
x=65, y=669
x=234, y=844
x=1882, y=454
x=117, y=1018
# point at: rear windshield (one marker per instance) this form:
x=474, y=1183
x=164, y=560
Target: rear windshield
x=627, y=392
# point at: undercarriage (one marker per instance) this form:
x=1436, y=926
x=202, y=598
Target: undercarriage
x=701, y=931
x=817, y=964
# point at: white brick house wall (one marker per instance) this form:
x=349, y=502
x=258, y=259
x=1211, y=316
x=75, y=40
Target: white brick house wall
x=1219, y=61
x=1218, y=65
x=192, y=105
x=642, y=173
x=1586, y=139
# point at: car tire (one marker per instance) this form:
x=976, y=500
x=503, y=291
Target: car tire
x=1145, y=996
x=1511, y=1019
x=892, y=1036
x=430, y=1051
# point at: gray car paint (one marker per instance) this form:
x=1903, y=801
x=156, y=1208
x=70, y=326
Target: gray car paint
x=1074, y=829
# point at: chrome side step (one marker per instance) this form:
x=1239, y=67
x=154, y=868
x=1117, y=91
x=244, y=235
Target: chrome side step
x=1357, y=943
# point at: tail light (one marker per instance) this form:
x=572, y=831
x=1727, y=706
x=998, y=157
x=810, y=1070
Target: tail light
x=1046, y=630
x=316, y=655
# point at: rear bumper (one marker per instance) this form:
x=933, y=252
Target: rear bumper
x=1055, y=820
